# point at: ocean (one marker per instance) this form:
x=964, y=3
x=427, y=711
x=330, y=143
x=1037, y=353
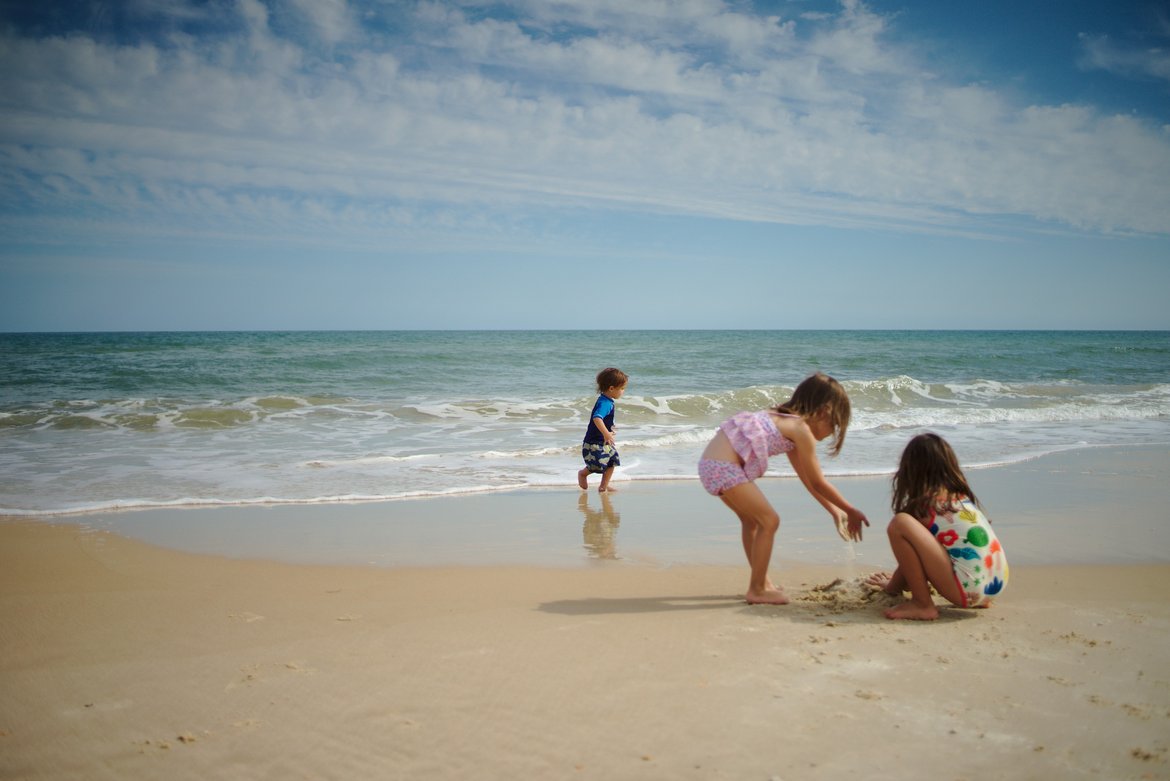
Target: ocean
x=106, y=421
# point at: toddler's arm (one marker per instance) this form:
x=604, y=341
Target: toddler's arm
x=606, y=434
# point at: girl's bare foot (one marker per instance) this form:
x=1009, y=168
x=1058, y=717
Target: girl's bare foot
x=769, y=596
x=913, y=612
x=607, y=490
x=581, y=480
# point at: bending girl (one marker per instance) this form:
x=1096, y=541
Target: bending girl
x=738, y=455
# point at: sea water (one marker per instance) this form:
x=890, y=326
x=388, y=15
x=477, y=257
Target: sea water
x=104, y=421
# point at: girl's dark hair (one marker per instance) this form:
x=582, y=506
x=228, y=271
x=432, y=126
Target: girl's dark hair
x=611, y=378
x=821, y=392
x=928, y=464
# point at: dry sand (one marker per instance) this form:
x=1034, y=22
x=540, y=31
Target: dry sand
x=121, y=660
x=602, y=642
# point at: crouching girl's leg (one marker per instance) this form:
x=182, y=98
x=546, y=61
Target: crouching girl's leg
x=922, y=562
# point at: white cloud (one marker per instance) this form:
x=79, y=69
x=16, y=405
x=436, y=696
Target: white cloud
x=1102, y=53
x=170, y=9
x=853, y=42
x=648, y=107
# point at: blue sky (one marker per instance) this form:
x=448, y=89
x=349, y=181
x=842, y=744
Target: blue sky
x=323, y=164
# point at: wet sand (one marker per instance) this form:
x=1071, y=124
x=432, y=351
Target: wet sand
x=122, y=659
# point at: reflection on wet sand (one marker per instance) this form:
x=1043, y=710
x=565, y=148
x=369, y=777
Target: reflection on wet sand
x=600, y=528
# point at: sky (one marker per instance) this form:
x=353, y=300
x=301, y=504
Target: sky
x=595, y=164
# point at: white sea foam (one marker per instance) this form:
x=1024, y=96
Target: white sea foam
x=453, y=414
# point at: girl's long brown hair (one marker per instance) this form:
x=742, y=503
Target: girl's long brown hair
x=821, y=392
x=928, y=465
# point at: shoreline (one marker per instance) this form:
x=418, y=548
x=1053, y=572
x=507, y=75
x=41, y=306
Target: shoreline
x=1053, y=509
x=554, y=643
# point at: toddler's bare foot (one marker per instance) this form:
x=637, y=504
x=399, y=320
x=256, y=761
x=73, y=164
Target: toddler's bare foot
x=913, y=612
x=769, y=596
x=607, y=490
x=582, y=481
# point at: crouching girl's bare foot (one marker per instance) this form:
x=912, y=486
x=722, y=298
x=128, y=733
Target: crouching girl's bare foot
x=769, y=596
x=582, y=480
x=912, y=611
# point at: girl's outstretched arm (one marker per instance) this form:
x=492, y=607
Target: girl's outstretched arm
x=804, y=461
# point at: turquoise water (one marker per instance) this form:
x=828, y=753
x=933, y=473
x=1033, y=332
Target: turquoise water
x=94, y=422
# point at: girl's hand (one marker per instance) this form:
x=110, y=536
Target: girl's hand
x=841, y=521
x=856, y=519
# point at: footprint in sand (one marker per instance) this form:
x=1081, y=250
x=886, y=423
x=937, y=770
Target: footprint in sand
x=253, y=672
x=245, y=617
x=248, y=724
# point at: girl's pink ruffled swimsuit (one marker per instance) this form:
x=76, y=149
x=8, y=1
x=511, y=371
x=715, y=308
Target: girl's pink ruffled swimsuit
x=754, y=437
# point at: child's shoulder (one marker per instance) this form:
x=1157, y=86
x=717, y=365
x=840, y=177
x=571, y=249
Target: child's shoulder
x=956, y=504
x=787, y=423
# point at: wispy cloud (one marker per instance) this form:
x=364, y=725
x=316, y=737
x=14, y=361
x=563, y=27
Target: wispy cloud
x=1103, y=53
x=403, y=122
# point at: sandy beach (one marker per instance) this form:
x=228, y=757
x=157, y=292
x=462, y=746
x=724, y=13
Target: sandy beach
x=124, y=659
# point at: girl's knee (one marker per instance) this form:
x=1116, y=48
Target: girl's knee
x=760, y=521
x=900, y=524
x=769, y=521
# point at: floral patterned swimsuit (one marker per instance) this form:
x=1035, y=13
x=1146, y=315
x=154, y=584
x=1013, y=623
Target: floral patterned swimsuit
x=977, y=558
